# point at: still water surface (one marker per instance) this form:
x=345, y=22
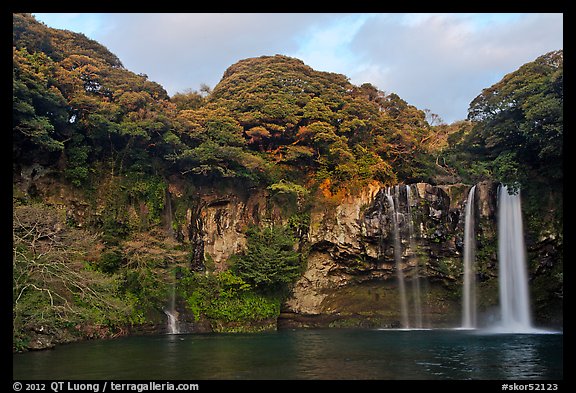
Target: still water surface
x=304, y=354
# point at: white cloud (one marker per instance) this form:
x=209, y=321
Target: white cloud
x=326, y=47
x=442, y=62
x=184, y=50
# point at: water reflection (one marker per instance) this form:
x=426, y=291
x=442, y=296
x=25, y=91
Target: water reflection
x=357, y=355
x=304, y=354
x=522, y=360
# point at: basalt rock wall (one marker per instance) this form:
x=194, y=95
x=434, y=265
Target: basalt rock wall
x=351, y=277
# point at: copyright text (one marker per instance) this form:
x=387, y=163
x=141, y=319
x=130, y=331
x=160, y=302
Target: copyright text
x=101, y=387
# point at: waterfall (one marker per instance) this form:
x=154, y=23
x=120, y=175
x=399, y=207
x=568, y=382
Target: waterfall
x=512, y=273
x=172, y=322
x=469, y=290
x=416, y=293
x=172, y=313
x=398, y=259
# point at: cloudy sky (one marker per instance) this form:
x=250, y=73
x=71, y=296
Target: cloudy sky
x=438, y=62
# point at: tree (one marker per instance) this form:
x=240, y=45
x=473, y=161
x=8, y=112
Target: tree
x=210, y=143
x=189, y=99
x=39, y=109
x=257, y=135
x=519, y=121
x=269, y=263
x=52, y=288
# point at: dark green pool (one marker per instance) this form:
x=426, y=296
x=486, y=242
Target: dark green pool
x=304, y=354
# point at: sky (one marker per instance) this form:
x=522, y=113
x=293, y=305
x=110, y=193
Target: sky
x=439, y=62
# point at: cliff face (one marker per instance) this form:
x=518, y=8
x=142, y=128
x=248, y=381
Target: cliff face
x=352, y=278
x=351, y=275
x=213, y=220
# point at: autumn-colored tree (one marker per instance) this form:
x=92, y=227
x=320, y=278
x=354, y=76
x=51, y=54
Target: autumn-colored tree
x=189, y=99
x=39, y=109
x=73, y=97
x=282, y=103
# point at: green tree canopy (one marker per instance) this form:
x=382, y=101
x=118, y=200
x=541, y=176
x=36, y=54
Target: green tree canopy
x=518, y=123
x=270, y=262
x=75, y=104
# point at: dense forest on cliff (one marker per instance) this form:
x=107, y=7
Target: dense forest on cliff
x=91, y=256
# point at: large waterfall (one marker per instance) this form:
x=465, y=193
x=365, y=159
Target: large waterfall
x=398, y=259
x=416, y=293
x=469, y=289
x=513, y=276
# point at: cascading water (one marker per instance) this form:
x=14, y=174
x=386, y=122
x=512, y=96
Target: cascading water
x=512, y=273
x=416, y=293
x=172, y=313
x=172, y=322
x=469, y=289
x=398, y=259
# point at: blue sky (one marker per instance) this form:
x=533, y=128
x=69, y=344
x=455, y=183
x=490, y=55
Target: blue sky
x=439, y=62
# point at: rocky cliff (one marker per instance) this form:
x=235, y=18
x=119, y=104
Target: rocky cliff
x=352, y=278
x=351, y=275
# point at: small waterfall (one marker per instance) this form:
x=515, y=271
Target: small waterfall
x=513, y=275
x=469, y=289
x=172, y=313
x=416, y=293
x=398, y=260
x=172, y=322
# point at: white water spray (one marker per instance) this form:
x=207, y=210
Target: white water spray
x=398, y=259
x=416, y=293
x=469, y=289
x=513, y=275
x=172, y=313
